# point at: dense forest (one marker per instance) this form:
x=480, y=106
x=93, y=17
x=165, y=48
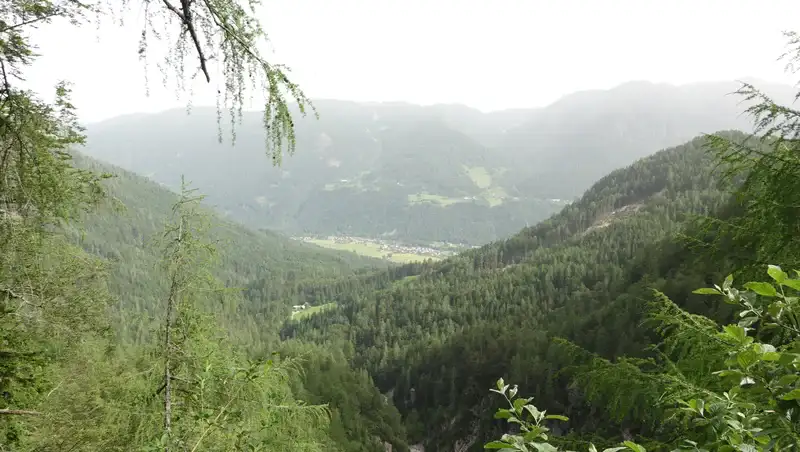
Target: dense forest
x=438, y=335
x=659, y=311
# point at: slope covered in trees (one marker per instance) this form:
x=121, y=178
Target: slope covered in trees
x=79, y=370
x=420, y=174
x=557, y=307
x=595, y=312
x=436, y=336
x=712, y=378
x=126, y=230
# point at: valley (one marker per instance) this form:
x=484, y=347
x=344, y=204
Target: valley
x=614, y=270
x=418, y=174
x=383, y=249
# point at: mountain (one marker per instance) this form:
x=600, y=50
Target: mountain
x=419, y=174
x=396, y=171
x=565, y=147
x=125, y=233
x=435, y=336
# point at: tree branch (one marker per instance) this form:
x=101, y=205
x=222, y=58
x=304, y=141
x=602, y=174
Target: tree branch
x=188, y=21
x=31, y=21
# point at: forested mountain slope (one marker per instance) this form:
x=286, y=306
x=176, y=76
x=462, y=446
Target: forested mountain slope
x=126, y=233
x=376, y=170
x=435, y=336
x=419, y=174
x=127, y=229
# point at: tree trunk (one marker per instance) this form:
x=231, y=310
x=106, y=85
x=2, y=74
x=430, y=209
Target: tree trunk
x=173, y=289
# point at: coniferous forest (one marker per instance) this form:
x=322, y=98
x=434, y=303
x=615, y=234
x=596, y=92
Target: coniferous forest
x=658, y=311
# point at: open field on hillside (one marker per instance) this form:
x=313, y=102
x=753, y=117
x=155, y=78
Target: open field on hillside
x=495, y=196
x=480, y=176
x=311, y=310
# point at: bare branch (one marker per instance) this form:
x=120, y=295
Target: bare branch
x=188, y=21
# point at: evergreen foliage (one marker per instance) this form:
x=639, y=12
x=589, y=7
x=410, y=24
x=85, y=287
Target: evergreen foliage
x=709, y=384
x=437, y=334
x=70, y=377
x=593, y=310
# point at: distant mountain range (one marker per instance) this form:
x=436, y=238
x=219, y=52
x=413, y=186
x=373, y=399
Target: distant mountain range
x=420, y=174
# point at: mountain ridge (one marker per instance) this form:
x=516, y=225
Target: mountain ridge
x=491, y=311
x=419, y=174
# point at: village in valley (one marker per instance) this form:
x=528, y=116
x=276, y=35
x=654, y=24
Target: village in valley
x=385, y=249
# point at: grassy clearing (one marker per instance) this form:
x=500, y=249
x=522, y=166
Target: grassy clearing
x=406, y=281
x=480, y=176
x=311, y=310
x=371, y=250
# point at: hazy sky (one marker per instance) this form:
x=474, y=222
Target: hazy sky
x=489, y=54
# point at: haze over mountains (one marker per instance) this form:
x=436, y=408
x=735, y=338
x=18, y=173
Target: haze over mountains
x=420, y=173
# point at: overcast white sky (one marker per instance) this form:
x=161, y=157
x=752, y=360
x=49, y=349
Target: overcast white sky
x=489, y=54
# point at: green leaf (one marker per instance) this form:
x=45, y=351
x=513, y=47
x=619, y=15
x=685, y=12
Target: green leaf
x=793, y=283
x=502, y=414
x=500, y=384
x=544, y=447
x=748, y=321
x=775, y=309
x=771, y=356
x=497, y=445
x=777, y=274
x=794, y=394
x=697, y=405
x=535, y=433
x=762, y=288
x=704, y=291
x=787, y=359
x=729, y=373
x=633, y=446
x=728, y=282
x=747, y=358
x=557, y=417
x=735, y=333
x=763, y=439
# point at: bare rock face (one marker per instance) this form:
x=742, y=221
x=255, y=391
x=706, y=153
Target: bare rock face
x=416, y=448
x=387, y=446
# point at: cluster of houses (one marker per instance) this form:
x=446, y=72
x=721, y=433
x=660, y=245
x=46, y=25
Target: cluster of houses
x=391, y=247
